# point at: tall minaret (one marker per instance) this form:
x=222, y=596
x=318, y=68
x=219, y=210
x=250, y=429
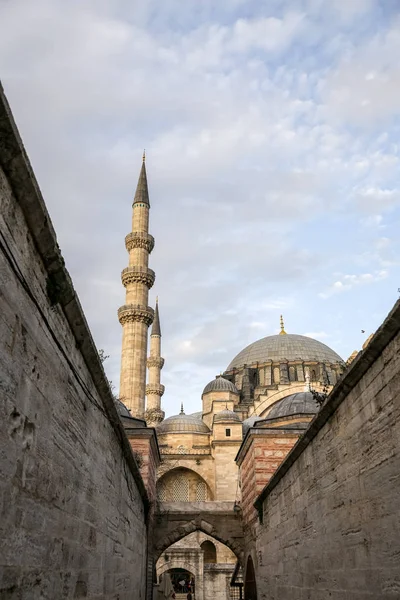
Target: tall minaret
x=136, y=316
x=155, y=362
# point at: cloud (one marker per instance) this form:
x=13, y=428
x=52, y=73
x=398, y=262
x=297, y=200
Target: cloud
x=347, y=282
x=265, y=171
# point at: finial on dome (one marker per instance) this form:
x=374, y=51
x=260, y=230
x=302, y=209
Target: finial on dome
x=182, y=411
x=144, y=155
x=282, y=331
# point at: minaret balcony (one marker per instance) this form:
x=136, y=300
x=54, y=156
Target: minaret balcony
x=156, y=389
x=132, y=313
x=138, y=274
x=139, y=239
x=155, y=361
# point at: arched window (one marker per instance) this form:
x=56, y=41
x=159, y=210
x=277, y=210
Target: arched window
x=201, y=492
x=277, y=375
x=210, y=552
x=292, y=374
x=180, y=489
x=313, y=375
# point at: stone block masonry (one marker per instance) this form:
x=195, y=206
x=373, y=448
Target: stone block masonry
x=331, y=513
x=72, y=502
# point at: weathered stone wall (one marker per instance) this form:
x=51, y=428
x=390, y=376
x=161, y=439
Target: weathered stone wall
x=331, y=512
x=216, y=581
x=72, y=502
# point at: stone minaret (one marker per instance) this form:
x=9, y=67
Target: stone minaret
x=155, y=362
x=136, y=316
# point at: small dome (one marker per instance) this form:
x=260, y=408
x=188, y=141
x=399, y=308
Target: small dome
x=123, y=411
x=295, y=404
x=182, y=424
x=220, y=384
x=284, y=347
x=226, y=416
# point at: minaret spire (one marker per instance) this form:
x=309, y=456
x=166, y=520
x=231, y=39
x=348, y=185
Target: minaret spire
x=136, y=316
x=155, y=362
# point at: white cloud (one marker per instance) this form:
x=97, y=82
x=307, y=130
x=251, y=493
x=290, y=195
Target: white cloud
x=347, y=282
x=254, y=177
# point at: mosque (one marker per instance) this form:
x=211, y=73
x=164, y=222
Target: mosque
x=267, y=391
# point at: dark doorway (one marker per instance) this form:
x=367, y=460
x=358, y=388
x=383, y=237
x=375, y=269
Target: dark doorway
x=250, y=587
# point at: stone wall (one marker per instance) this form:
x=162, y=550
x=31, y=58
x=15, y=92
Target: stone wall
x=72, y=502
x=331, y=512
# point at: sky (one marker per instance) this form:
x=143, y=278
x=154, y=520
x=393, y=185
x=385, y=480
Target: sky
x=271, y=131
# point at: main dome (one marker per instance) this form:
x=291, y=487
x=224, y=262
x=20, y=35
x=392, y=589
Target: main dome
x=284, y=347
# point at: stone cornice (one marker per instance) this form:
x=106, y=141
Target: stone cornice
x=138, y=274
x=131, y=313
x=139, y=239
x=156, y=389
x=155, y=361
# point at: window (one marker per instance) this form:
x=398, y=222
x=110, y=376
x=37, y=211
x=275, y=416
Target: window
x=201, y=492
x=180, y=489
x=228, y=432
x=210, y=552
x=162, y=492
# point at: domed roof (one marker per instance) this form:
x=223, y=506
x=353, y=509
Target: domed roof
x=123, y=411
x=300, y=403
x=226, y=416
x=182, y=424
x=250, y=422
x=288, y=346
x=220, y=384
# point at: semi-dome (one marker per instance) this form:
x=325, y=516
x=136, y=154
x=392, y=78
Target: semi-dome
x=226, y=416
x=182, y=424
x=250, y=422
x=220, y=384
x=284, y=347
x=295, y=404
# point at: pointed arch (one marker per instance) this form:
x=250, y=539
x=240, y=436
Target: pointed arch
x=250, y=586
x=189, y=527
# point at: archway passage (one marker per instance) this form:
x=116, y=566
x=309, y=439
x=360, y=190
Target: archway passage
x=219, y=520
x=182, y=581
x=250, y=586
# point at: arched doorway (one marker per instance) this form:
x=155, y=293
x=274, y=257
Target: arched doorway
x=182, y=581
x=250, y=587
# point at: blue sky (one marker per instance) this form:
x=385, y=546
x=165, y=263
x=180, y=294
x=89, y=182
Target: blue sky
x=272, y=137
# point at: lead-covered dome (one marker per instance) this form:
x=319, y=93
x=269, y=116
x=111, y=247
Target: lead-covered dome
x=220, y=384
x=284, y=347
x=182, y=424
x=302, y=403
x=226, y=416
